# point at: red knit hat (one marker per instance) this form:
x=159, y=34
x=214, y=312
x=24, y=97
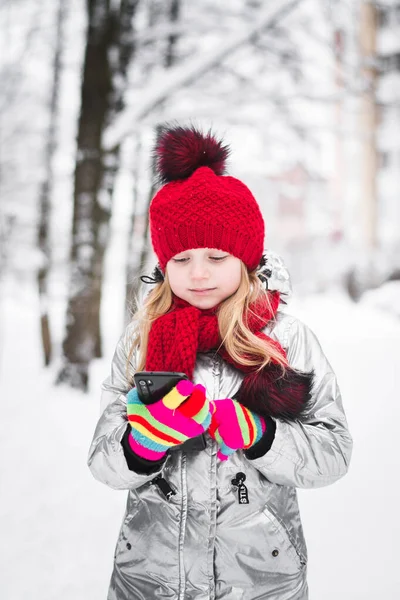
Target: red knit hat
x=199, y=207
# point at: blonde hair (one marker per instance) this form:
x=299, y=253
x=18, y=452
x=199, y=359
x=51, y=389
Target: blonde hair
x=242, y=345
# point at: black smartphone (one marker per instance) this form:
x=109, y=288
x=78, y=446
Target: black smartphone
x=154, y=385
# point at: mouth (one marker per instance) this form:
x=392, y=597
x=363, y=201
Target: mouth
x=202, y=291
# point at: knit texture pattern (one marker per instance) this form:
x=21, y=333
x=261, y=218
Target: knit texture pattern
x=176, y=337
x=182, y=414
x=234, y=427
x=207, y=211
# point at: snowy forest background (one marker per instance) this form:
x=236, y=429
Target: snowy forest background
x=307, y=93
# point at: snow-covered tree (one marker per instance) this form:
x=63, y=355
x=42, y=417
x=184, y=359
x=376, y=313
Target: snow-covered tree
x=108, y=51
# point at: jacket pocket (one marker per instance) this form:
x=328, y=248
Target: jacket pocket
x=122, y=541
x=282, y=540
x=149, y=537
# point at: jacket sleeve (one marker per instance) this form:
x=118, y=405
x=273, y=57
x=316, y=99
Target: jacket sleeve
x=107, y=460
x=315, y=451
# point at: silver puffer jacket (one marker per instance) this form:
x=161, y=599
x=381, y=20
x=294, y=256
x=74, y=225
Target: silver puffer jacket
x=202, y=543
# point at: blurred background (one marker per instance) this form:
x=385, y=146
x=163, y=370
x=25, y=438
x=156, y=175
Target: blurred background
x=307, y=94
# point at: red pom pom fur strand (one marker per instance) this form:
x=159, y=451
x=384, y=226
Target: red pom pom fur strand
x=179, y=151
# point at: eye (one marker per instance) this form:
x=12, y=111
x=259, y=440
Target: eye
x=213, y=258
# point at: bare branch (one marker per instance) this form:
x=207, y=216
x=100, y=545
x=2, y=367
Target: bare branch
x=162, y=86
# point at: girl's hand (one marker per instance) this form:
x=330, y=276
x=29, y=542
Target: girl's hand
x=182, y=414
x=234, y=427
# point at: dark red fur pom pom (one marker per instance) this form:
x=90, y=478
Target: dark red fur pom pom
x=268, y=393
x=179, y=151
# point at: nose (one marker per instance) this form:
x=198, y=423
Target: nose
x=199, y=271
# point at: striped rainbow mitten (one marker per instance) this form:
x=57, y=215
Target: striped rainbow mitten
x=234, y=427
x=182, y=414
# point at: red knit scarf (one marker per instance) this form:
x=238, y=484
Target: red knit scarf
x=176, y=337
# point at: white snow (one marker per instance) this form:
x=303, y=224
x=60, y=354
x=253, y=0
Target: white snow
x=386, y=297
x=59, y=526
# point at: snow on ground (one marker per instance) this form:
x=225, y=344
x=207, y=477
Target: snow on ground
x=59, y=526
x=386, y=297
x=352, y=526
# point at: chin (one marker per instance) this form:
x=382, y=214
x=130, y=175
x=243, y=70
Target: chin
x=203, y=302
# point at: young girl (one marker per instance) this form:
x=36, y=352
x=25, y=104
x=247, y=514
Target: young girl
x=212, y=468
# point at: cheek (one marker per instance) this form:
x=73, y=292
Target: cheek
x=232, y=278
x=175, y=277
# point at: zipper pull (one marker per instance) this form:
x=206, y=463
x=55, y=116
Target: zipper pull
x=243, y=493
x=163, y=486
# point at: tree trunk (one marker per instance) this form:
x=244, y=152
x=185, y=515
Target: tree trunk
x=125, y=46
x=131, y=265
x=46, y=189
x=132, y=285
x=101, y=98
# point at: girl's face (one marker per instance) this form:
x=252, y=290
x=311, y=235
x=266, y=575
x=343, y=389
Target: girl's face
x=204, y=277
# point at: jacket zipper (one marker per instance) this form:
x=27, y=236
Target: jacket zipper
x=163, y=486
